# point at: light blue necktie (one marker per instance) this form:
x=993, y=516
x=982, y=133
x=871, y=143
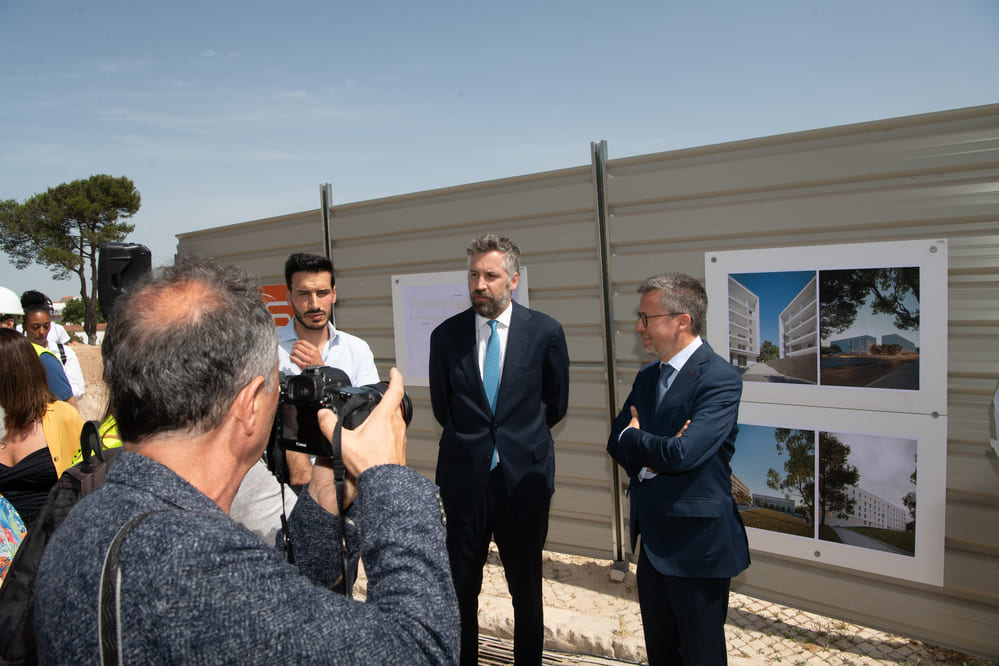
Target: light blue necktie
x=665, y=371
x=491, y=375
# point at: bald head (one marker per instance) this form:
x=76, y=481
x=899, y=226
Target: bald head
x=180, y=346
x=173, y=303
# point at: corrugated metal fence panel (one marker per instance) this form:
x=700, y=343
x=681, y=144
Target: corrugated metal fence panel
x=932, y=176
x=260, y=246
x=921, y=177
x=550, y=216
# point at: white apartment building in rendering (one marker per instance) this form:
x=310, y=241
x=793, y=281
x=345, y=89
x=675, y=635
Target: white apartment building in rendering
x=798, y=323
x=869, y=510
x=743, y=324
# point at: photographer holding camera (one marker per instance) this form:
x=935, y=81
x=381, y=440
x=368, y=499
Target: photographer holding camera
x=310, y=339
x=192, y=378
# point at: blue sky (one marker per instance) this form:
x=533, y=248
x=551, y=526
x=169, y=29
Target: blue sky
x=775, y=291
x=223, y=112
x=755, y=453
x=885, y=464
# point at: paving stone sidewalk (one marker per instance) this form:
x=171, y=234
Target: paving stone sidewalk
x=588, y=613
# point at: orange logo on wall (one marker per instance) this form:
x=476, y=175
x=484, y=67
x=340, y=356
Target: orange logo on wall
x=274, y=298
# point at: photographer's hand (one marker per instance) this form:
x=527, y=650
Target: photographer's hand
x=379, y=440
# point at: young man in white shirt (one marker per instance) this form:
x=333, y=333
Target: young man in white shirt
x=312, y=339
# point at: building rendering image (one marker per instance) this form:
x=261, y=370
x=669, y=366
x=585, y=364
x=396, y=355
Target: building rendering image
x=798, y=323
x=771, y=502
x=895, y=339
x=869, y=510
x=743, y=324
x=858, y=344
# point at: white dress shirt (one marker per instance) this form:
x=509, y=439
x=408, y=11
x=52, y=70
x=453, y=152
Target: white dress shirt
x=343, y=351
x=483, y=331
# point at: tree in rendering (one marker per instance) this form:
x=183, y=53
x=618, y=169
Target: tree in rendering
x=768, y=352
x=843, y=292
x=910, y=498
x=798, y=479
x=836, y=477
x=836, y=474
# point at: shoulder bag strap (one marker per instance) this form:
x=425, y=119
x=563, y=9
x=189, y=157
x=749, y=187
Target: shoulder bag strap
x=109, y=619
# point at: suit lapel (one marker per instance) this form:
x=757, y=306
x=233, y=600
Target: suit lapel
x=685, y=380
x=518, y=340
x=468, y=361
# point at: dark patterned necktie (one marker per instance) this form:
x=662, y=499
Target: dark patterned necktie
x=665, y=372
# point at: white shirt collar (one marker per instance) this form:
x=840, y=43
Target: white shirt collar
x=503, y=318
x=681, y=358
x=288, y=332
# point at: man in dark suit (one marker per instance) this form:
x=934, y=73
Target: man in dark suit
x=675, y=437
x=499, y=380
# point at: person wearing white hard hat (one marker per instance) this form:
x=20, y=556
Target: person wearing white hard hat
x=10, y=308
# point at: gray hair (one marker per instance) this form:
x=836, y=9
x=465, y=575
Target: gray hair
x=681, y=293
x=180, y=347
x=496, y=243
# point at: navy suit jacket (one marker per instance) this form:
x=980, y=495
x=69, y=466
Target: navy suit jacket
x=689, y=523
x=533, y=396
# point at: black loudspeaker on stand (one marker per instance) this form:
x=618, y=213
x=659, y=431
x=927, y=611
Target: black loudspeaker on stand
x=118, y=266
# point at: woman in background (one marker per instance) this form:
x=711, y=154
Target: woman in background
x=12, y=528
x=37, y=327
x=42, y=433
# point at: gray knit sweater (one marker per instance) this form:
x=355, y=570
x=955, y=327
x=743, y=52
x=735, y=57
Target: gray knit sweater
x=199, y=588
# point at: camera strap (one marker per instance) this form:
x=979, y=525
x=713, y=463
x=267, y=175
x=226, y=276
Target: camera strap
x=289, y=553
x=340, y=483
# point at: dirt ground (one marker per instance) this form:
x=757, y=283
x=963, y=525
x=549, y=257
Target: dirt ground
x=94, y=401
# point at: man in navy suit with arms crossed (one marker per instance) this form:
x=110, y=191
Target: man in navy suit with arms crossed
x=675, y=437
x=499, y=380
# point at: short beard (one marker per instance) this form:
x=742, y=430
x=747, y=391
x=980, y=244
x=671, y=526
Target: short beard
x=309, y=325
x=493, y=307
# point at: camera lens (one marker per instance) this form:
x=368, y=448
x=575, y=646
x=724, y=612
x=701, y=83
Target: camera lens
x=406, y=405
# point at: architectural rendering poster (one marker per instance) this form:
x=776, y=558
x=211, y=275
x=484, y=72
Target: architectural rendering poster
x=421, y=301
x=855, y=326
x=842, y=350
x=865, y=492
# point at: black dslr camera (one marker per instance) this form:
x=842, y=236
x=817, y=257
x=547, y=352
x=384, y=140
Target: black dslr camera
x=296, y=424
